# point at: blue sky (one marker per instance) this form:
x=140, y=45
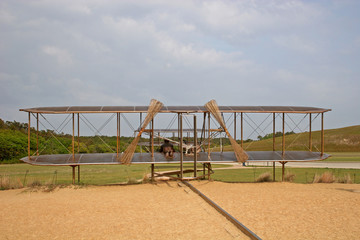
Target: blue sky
x=304, y=53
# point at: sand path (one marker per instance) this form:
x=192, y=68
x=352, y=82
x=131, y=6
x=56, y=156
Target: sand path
x=291, y=211
x=170, y=211
x=144, y=211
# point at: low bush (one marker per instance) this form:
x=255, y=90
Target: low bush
x=265, y=177
x=326, y=177
x=289, y=177
x=345, y=179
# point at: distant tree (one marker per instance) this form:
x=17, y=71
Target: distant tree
x=2, y=124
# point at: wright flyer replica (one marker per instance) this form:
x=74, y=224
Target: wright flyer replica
x=203, y=124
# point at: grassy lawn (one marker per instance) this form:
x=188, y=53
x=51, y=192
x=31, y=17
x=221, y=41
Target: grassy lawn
x=343, y=157
x=302, y=175
x=24, y=174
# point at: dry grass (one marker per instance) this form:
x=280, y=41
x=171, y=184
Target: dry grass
x=7, y=183
x=265, y=177
x=289, y=177
x=326, y=177
x=345, y=179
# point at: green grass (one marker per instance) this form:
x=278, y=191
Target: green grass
x=303, y=175
x=336, y=140
x=24, y=174
x=90, y=174
x=344, y=157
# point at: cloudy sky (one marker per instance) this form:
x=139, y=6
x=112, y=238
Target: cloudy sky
x=96, y=52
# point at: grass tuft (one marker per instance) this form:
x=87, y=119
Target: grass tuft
x=265, y=177
x=7, y=183
x=345, y=179
x=289, y=177
x=326, y=177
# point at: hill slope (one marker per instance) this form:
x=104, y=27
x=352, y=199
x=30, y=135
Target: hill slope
x=336, y=140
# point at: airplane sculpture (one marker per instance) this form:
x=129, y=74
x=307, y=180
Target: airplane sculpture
x=203, y=155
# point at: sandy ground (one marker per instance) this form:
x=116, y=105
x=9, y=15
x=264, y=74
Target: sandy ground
x=170, y=211
x=291, y=211
x=162, y=211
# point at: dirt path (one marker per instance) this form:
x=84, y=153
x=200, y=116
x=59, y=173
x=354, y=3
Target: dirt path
x=144, y=211
x=291, y=211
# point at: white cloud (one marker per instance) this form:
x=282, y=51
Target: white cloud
x=62, y=56
x=83, y=93
x=6, y=17
x=295, y=43
x=125, y=52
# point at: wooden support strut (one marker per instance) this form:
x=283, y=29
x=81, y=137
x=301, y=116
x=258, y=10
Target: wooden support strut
x=242, y=131
x=322, y=134
x=181, y=145
x=29, y=141
x=73, y=174
x=310, y=133
x=274, y=177
x=195, y=147
x=37, y=134
x=235, y=126
x=73, y=137
x=117, y=135
x=283, y=135
x=78, y=173
x=209, y=135
x=78, y=136
x=152, y=149
x=283, y=170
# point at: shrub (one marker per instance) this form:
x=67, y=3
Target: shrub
x=6, y=183
x=345, y=179
x=289, y=177
x=326, y=177
x=265, y=177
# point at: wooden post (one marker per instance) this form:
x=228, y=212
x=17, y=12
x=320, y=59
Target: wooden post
x=152, y=173
x=73, y=141
x=78, y=173
x=235, y=126
x=73, y=174
x=242, y=130
x=274, y=145
x=29, y=141
x=283, y=136
x=37, y=134
x=152, y=150
x=208, y=135
x=181, y=146
x=78, y=137
x=322, y=134
x=221, y=145
x=117, y=135
x=204, y=170
x=310, y=133
x=209, y=166
x=274, y=132
x=195, y=147
x=152, y=138
x=178, y=127
x=283, y=171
